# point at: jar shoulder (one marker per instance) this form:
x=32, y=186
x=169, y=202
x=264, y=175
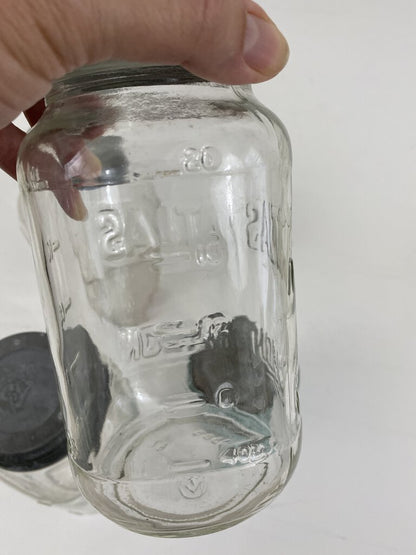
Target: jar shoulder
x=167, y=135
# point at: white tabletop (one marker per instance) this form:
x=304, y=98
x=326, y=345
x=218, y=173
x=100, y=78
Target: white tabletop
x=348, y=101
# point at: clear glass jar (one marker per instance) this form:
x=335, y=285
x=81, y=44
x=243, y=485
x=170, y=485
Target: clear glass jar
x=160, y=216
x=53, y=485
x=33, y=452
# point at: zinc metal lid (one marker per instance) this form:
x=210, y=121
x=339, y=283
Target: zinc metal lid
x=32, y=433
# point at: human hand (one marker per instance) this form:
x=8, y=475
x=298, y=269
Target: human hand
x=228, y=41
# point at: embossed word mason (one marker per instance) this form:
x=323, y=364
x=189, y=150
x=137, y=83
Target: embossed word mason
x=185, y=337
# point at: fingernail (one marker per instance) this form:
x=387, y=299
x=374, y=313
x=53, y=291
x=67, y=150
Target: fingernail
x=261, y=45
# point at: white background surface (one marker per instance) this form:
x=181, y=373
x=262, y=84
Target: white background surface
x=348, y=101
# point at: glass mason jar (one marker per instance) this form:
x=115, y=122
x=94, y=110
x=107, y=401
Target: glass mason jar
x=33, y=451
x=160, y=217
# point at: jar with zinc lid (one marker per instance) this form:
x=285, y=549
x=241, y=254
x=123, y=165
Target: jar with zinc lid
x=33, y=444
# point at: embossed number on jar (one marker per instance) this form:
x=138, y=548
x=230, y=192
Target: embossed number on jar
x=207, y=158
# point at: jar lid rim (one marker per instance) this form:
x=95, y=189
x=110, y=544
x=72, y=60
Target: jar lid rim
x=112, y=74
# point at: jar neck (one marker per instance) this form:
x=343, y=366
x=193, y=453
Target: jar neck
x=113, y=75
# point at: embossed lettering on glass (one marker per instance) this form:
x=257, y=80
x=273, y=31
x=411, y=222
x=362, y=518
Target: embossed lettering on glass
x=160, y=216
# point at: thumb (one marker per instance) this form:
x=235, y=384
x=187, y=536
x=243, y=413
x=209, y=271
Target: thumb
x=228, y=41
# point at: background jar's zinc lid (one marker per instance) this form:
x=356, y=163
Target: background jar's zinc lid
x=32, y=433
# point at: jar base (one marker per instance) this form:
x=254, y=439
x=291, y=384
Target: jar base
x=188, y=477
